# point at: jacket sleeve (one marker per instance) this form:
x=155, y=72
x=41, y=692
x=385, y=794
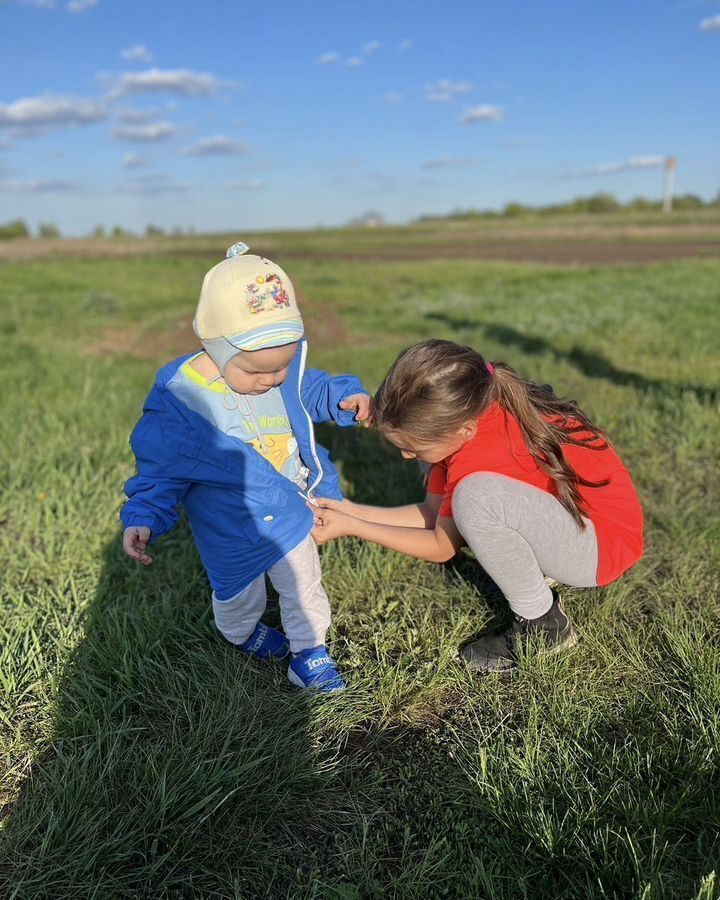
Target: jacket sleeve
x=153, y=502
x=153, y=496
x=322, y=395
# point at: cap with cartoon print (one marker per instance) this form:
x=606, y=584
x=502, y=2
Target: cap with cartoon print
x=246, y=303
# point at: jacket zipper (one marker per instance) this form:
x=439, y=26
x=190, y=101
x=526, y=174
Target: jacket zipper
x=303, y=354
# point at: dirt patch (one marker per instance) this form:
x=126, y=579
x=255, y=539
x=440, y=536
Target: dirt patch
x=323, y=328
x=82, y=248
x=162, y=345
x=560, y=254
x=584, y=245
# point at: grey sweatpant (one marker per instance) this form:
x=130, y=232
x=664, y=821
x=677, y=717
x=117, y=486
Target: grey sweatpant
x=520, y=534
x=304, y=606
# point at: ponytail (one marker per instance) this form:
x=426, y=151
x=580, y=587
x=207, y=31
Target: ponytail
x=547, y=422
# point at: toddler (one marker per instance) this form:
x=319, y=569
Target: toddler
x=228, y=433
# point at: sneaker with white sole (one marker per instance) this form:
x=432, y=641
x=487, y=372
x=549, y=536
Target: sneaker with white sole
x=265, y=643
x=315, y=669
x=500, y=652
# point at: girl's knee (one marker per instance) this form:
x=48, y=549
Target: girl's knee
x=480, y=496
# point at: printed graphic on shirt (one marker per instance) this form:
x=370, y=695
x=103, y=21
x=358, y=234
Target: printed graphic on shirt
x=267, y=292
x=271, y=435
x=278, y=449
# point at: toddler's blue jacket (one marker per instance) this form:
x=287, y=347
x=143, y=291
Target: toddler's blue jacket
x=244, y=515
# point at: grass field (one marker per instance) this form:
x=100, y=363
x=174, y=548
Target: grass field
x=142, y=757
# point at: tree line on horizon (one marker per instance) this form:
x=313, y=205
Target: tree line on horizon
x=18, y=228
x=595, y=203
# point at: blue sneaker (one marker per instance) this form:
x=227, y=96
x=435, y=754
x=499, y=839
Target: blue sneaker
x=315, y=669
x=265, y=643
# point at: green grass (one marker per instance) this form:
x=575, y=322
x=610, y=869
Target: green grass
x=144, y=758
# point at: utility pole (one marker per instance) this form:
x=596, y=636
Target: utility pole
x=670, y=166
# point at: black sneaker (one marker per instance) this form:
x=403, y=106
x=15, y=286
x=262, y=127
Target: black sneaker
x=499, y=652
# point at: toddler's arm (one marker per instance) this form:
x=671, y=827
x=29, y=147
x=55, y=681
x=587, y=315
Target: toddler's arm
x=341, y=399
x=152, y=504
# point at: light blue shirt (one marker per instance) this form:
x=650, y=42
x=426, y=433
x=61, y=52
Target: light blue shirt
x=260, y=420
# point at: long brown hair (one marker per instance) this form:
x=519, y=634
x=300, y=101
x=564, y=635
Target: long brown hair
x=433, y=388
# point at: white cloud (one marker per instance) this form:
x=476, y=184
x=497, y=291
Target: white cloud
x=447, y=162
x=179, y=81
x=248, y=185
x=133, y=161
x=138, y=53
x=405, y=45
x=711, y=24
x=216, y=145
x=393, y=97
x=153, y=131
x=635, y=162
x=39, y=186
x=332, y=56
x=445, y=90
x=36, y=4
x=154, y=184
x=370, y=47
x=79, y=6
x=484, y=113
x=355, y=61
x=51, y=111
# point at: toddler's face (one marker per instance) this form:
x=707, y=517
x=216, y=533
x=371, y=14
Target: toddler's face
x=256, y=371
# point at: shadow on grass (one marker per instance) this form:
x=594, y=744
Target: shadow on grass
x=492, y=801
x=592, y=365
x=373, y=469
x=178, y=766
x=376, y=474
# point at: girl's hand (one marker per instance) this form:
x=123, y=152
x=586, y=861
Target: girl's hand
x=343, y=506
x=135, y=541
x=363, y=406
x=330, y=524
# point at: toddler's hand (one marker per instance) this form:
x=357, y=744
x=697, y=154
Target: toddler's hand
x=135, y=541
x=363, y=406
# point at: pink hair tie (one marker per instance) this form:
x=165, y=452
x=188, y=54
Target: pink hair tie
x=491, y=369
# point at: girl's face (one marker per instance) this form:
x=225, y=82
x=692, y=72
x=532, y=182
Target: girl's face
x=435, y=450
x=256, y=371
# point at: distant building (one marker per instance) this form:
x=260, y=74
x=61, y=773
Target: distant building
x=370, y=219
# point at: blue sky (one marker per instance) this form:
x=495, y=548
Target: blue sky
x=230, y=116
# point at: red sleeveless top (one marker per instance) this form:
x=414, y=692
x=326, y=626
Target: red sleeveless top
x=614, y=509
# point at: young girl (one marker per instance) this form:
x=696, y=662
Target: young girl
x=522, y=477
